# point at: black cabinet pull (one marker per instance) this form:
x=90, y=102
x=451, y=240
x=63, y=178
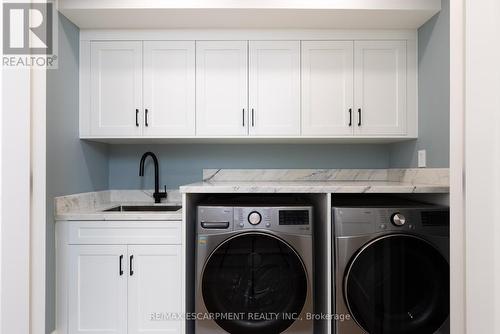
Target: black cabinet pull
x=146, y=118
x=243, y=116
x=136, y=117
x=121, y=268
x=131, y=268
x=359, y=117
x=253, y=117
x=350, y=117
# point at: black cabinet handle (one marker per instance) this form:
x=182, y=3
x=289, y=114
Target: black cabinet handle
x=350, y=117
x=253, y=117
x=136, y=117
x=121, y=268
x=131, y=268
x=146, y=118
x=359, y=117
x=243, y=116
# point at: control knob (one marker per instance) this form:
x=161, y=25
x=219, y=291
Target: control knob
x=398, y=219
x=254, y=218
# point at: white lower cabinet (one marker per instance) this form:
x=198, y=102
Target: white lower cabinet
x=154, y=289
x=113, y=288
x=97, y=291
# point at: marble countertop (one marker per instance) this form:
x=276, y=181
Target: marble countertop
x=91, y=206
x=322, y=181
x=311, y=187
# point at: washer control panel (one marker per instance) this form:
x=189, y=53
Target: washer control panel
x=223, y=219
x=284, y=219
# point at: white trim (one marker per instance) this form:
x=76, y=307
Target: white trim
x=15, y=215
x=84, y=89
x=457, y=168
x=22, y=253
x=38, y=201
x=247, y=139
x=254, y=4
x=246, y=34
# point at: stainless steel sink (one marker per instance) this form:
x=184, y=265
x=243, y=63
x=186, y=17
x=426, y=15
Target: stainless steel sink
x=144, y=208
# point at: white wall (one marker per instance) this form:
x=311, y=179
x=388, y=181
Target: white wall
x=15, y=197
x=482, y=162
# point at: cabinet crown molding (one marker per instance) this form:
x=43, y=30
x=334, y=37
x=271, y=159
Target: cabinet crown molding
x=320, y=14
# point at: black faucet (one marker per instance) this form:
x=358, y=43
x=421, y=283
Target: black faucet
x=157, y=194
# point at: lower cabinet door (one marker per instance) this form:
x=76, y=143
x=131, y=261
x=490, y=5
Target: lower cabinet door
x=97, y=289
x=155, y=289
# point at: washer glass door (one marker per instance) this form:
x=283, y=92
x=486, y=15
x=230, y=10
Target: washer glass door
x=254, y=283
x=398, y=284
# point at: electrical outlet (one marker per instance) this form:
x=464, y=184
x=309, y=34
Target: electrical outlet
x=422, y=158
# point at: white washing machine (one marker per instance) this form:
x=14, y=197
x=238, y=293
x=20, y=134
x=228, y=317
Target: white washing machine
x=254, y=269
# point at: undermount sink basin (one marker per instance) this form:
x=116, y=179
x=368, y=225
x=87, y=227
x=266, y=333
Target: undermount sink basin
x=144, y=208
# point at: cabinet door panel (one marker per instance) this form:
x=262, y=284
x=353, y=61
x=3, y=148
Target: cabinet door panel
x=97, y=292
x=169, y=88
x=116, y=89
x=155, y=288
x=327, y=88
x=274, y=88
x=380, y=87
x=221, y=88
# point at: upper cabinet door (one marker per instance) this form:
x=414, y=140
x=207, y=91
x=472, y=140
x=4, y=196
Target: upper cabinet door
x=97, y=290
x=116, y=89
x=221, y=88
x=169, y=88
x=274, y=86
x=155, y=285
x=327, y=88
x=380, y=87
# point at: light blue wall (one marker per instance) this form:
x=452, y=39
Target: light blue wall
x=181, y=164
x=73, y=166
x=434, y=96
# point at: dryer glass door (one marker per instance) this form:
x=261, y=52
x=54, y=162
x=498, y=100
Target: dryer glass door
x=398, y=284
x=254, y=283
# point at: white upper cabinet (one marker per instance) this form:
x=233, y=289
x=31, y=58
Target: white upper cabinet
x=327, y=88
x=97, y=279
x=274, y=88
x=155, y=285
x=116, y=88
x=169, y=88
x=357, y=85
x=380, y=93
x=221, y=88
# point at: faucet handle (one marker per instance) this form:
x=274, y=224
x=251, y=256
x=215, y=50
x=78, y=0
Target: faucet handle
x=165, y=189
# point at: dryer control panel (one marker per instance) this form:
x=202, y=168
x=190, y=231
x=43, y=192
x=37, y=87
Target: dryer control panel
x=353, y=221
